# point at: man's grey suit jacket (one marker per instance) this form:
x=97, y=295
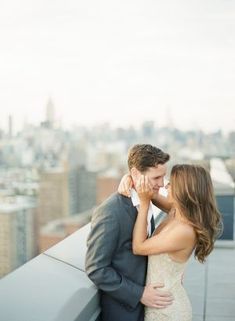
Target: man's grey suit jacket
x=110, y=262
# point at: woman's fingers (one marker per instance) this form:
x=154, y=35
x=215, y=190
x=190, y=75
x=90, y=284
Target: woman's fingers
x=143, y=185
x=140, y=184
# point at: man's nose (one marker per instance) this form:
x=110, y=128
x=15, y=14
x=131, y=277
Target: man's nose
x=161, y=182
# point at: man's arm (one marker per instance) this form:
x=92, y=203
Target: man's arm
x=101, y=246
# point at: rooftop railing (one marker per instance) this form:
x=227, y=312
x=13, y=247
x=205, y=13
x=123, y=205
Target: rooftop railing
x=52, y=286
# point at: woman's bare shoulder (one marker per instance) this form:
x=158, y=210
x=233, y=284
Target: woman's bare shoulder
x=185, y=230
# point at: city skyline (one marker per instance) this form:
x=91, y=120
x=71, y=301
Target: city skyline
x=122, y=63
x=207, y=121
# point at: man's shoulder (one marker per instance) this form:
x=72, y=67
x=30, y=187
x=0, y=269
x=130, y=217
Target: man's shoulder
x=117, y=198
x=114, y=202
x=114, y=199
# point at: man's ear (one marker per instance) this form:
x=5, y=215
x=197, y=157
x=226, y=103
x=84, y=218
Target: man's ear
x=134, y=173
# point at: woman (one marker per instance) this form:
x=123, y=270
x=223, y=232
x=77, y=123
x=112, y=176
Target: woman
x=192, y=225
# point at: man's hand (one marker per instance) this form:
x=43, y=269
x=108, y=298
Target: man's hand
x=154, y=297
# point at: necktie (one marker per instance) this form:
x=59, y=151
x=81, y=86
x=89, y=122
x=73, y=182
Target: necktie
x=152, y=225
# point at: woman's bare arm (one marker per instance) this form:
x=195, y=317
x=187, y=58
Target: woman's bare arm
x=160, y=201
x=168, y=241
x=171, y=240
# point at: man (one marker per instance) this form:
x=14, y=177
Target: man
x=110, y=262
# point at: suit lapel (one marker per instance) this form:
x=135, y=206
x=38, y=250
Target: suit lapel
x=131, y=210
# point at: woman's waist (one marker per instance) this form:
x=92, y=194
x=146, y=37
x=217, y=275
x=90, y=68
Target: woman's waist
x=170, y=283
x=181, y=303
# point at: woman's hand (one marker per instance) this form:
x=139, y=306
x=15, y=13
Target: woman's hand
x=125, y=185
x=144, y=189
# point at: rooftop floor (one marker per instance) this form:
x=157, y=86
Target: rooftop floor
x=211, y=286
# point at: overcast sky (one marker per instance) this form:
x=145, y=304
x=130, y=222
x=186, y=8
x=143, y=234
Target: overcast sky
x=119, y=61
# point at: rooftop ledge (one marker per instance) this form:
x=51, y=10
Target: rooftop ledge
x=54, y=287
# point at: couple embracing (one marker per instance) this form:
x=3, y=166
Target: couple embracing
x=138, y=267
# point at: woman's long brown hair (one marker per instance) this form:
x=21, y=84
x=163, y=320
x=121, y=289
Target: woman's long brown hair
x=192, y=190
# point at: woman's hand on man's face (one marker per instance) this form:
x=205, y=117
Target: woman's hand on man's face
x=144, y=188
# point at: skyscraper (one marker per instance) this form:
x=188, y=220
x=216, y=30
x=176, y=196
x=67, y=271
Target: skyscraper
x=53, y=198
x=18, y=237
x=50, y=115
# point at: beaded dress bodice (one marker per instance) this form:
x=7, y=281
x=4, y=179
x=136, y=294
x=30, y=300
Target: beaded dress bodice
x=162, y=268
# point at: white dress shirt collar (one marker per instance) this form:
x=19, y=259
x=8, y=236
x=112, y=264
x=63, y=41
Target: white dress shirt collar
x=153, y=210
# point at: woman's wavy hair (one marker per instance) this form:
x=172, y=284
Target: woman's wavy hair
x=192, y=190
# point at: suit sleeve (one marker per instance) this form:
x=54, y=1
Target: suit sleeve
x=101, y=246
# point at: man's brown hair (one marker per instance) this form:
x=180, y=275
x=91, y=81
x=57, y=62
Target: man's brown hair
x=143, y=156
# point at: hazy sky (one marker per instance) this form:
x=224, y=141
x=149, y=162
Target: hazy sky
x=120, y=61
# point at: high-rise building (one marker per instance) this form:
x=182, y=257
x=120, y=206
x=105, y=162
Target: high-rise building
x=65, y=191
x=50, y=113
x=53, y=197
x=10, y=126
x=86, y=189
x=107, y=183
x=49, y=121
x=18, y=235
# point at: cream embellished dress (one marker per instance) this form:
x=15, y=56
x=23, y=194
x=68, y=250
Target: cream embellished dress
x=162, y=268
